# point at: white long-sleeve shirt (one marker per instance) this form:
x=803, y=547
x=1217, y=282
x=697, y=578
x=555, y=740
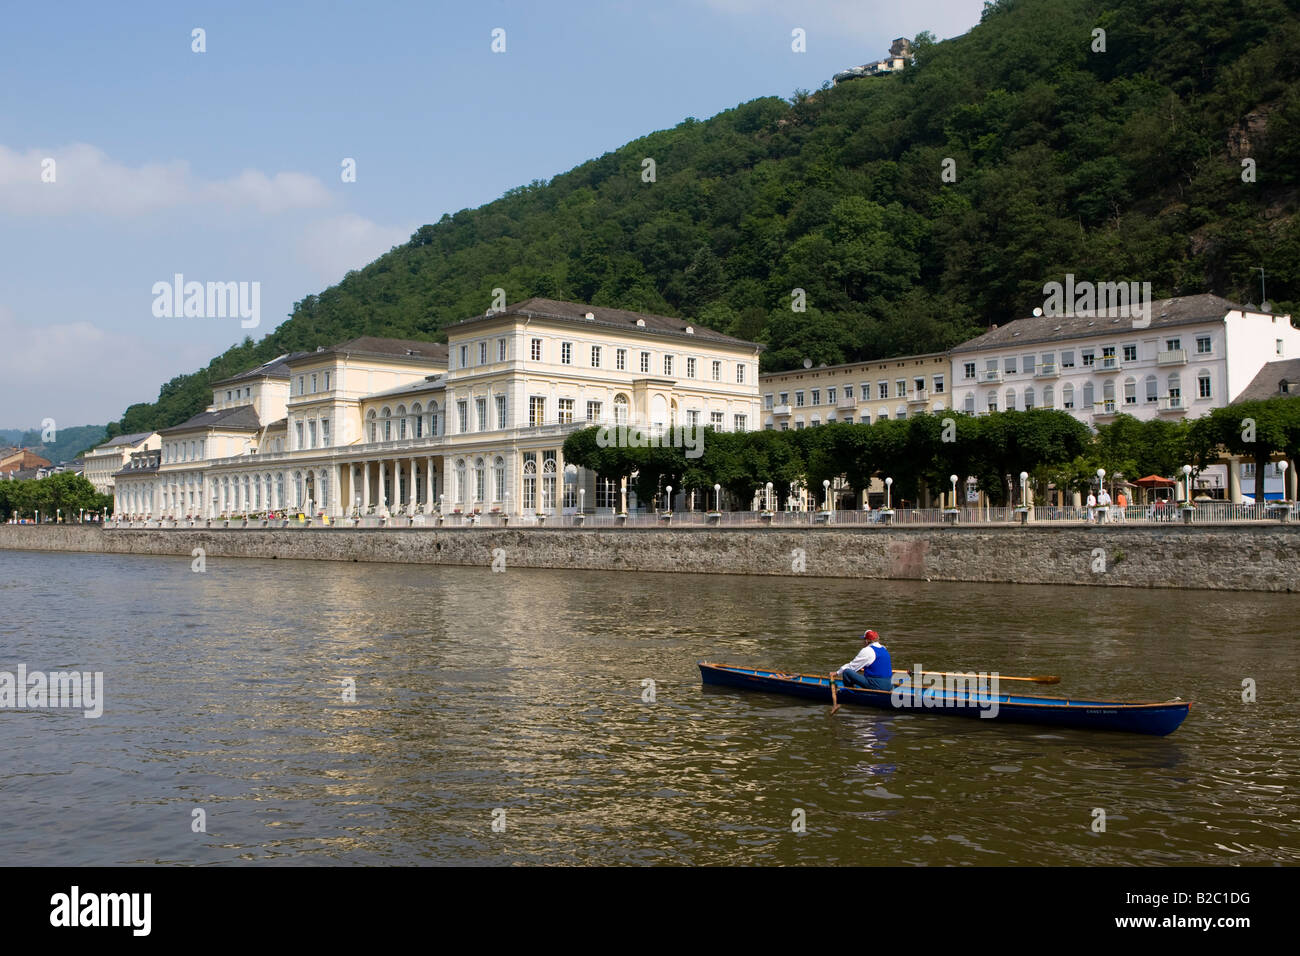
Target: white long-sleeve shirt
x=866, y=657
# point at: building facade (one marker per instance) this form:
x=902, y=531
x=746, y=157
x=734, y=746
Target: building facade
x=104, y=461
x=389, y=426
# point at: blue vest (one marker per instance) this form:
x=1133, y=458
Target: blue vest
x=882, y=666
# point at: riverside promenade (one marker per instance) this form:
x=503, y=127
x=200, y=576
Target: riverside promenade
x=1240, y=556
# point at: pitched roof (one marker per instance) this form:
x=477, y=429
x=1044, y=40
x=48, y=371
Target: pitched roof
x=611, y=318
x=276, y=368
x=1184, y=310
x=435, y=352
x=132, y=439
x=428, y=383
x=1267, y=383
x=241, y=417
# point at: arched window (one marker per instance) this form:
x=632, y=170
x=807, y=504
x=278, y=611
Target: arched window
x=268, y=481
x=970, y=405
x=1130, y=391
x=1049, y=397
x=298, y=498
x=324, y=486
x=1011, y=399
x=401, y=421
x=548, y=480
x=499, y=478
x=1108, y=395
x=433, y=419
x=279, y=487
x=417, y=420
x=620, y=409
x=1089, y=397
x=1152, y=389
x=1175, y=391
x=1029, y=397
x=387, y=416
x=460, y=480
x=374, y=426
x=1067, y=396
x=247, y=502
x=1203, y=385
x=480, y=479
x=530, y=480
x=992, y=401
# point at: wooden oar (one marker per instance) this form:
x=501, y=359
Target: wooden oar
x=1040, y=679
x=835, y=703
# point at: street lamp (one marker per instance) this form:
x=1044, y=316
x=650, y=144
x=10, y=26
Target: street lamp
x=769, y=496
x=1187, y=485
x=889, y=484
x=1282, y=467
x=953, y=479
x=717, y=491
x=669, y=490
x=826, y=491
x=1024, y=489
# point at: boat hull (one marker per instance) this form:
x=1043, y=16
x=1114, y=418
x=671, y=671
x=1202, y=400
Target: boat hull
x=1159, y=719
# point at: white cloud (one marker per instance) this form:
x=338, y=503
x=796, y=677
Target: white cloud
x=86, y=179
x=330, y=247
x=78, y=374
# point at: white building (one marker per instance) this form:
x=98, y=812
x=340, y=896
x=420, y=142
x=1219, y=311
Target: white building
x=102, y=462
x=1199, y=353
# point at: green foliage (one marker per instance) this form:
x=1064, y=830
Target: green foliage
x=65, y=492
x=1116, y=165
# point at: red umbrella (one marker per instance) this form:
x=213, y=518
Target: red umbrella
x=1155, y=481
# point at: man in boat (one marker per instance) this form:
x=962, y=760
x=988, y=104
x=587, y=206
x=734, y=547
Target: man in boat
x=872, y=667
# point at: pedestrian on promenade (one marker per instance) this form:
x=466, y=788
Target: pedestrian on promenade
x=1103, y=506
x=1121, y=502
x=1092, y=507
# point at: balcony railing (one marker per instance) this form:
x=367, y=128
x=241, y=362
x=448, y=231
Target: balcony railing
x=1047, y=370
x=1172, y=403
x=1109, y=363
x=918, y=397
x=847, y=401
x=1104, y=409
x=1172, y=357
x=991, y=375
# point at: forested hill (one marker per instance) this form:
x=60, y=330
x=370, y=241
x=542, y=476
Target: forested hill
x=1116, y=165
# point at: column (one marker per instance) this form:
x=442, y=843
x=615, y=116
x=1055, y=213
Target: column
x=336, y=491
x=365, y=486
x=1290, y=482
x=398, y=484
x=1234, y=480
x=383, y=501
x=428, y=483
x=410, y=494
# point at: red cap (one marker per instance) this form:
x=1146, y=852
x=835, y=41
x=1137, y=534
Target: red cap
x=869, y=636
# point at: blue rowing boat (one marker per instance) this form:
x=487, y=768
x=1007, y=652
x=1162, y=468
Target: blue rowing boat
x=964, y=700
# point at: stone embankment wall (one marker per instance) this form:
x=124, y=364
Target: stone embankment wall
x=1259, y=557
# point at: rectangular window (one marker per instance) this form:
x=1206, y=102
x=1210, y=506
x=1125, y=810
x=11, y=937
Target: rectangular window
x=767, y=401
x=1130, y=393
x=816, y=396
x=301, y=390
x=464, y=356
x=968, y=370
x=785, y=399
x=1027, y=364
x=938, y=384
x=882, y=389
x=536, y=411
x=668, y=365
x=593, y=411
x=1203, y=386
x=645, y=363
x=1089, y=357
x=1009, y=365
x=717, y=369
x=482, y=353
x=535, y=350
x=830, y=396
x=501, y=411
x=297, y=427
x=325, y=432
x=798, y=399
x=848, y=391
x=1173, y=345
x=740, y=423
x=918, y=386
x=566, y=411
x=227, y=394
x=480, y=413
x=715, y=419
x=620, y=360
x=595, y=356
x=1130, y=353
x=1067, y=358
x=740, y=373
x=462, y=415
x=690, y=366
x=566, y=353
x=900, y=388
x=313, y=383
x=1202, y=345
x=501, y=350
x=1279, y=346
x=692, y=419
x=311, y=434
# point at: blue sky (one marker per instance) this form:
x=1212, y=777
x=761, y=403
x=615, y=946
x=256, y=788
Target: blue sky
x=225, y=165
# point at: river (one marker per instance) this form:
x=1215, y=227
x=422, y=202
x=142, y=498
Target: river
x=507, y=718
